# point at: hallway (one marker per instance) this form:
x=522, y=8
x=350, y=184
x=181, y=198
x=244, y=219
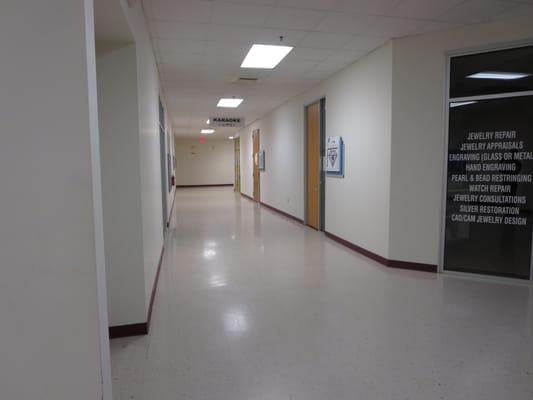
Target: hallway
x=253, y=306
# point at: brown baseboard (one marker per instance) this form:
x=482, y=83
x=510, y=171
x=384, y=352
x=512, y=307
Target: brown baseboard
x=301, y=221
x=141, y=328
x=203, y=186
x=121, y=331
x=382, y=260
x=171, y=209
x=248, y=197
x=154, y=289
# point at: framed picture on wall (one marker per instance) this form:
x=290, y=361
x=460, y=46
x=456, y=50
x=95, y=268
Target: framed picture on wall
x=335, y=156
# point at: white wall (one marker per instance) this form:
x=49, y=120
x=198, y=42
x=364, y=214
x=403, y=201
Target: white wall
x=358, y=102
x=148, y=94
x=49, y=335
x=120, y=164
x=417, y=182
x=210, y=163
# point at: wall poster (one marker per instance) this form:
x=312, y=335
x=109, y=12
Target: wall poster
x=489, y=198
x=261, y=160
x=334, y=156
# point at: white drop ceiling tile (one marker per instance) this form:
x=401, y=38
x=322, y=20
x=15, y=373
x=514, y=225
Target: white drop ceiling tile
x=332, y=65
x=239, y=14
x=319, y=74
x=182, y=10
x=296, y=65
x=367, y=7
x=365, y=44
x=184, y=60
x=474, y=11
x=346, y=56
x=233, y=34
x=170, y=74
x=346, y=23
x=326, y=40
x=227, y=49
x=438, y=26
x=180, y=120
x=389, y=27
x=272, y=36
x=311, y=4
x=169, y=46
x=180, y=30
x=423, y=9
x=309, y=54
x=294, y=18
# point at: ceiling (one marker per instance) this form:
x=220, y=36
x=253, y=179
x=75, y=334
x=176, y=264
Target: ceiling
x=200, y=44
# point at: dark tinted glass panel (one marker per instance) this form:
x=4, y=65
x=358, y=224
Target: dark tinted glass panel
x=503, y=71
x=489, y=193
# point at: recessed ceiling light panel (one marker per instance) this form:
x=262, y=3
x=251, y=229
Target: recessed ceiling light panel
x=265, y=56
x=507, y=76
x=462, y=103
x=229, y=103
x=207, y=131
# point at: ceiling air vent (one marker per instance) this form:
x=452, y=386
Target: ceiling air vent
x=246, y=79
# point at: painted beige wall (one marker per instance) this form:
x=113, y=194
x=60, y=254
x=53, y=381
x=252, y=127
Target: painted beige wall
x=121, y=178
x=148, y=90
x=49, y=334
x=210, y=163
x=359, y=110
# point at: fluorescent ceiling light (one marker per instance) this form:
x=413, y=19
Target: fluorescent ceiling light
x=462, y=103
x=229, y=103
x=207, y=131
x=507, y=76
x=208, y=121
x=265, y=56
x=231, y=138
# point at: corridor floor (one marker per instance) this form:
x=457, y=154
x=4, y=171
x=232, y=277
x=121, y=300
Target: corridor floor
x=253, y=306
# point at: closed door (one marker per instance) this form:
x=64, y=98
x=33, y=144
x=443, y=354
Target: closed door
x=313, y=165
x=237, y=143
x=255, y=136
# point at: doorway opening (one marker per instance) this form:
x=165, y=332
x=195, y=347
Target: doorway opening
x=237, y=163
x=257, y=183
x=315, y=183
x=162, y=150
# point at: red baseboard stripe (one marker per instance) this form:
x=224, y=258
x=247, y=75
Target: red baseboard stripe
x=283, y=213
x=277, y=210
x=171, y=209
x=154, y=289
x=141, y=328
x=204, y=186
x=382, y=260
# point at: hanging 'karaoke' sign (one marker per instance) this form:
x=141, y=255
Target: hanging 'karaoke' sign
x=226, y=122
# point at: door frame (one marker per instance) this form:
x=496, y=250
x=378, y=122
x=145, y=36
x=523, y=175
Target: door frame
x=256, y=133
x=237, y=164
x=446, y=126
x=163, y=162
x=322, y=184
